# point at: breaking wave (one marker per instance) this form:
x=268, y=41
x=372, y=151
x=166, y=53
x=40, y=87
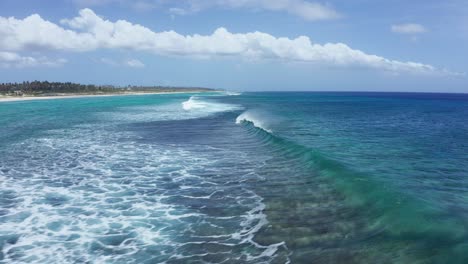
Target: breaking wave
x=255, y=119
x=195, y=103
x=233, y=93
x=193, y=108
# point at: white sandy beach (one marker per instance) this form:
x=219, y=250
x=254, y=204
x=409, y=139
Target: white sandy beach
x=28, y=98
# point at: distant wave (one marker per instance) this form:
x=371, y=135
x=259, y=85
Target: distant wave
x=253, y=118
x=193, y=108
x=195, y=103
x=192, y=103
x=233, y=93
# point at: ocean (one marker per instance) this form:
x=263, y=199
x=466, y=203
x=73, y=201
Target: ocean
x=286, y=177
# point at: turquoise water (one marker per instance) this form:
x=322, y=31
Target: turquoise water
x=235, y=178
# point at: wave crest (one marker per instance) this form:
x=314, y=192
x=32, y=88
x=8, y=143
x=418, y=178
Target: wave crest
x=254, y=119
x=196, y=104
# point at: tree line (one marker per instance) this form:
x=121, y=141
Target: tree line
x=52, y=87
x=45, y=87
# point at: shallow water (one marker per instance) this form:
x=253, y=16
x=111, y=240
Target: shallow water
x=235, y=178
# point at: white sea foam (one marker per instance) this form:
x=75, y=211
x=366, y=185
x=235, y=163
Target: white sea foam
x=192, y=104
x=83, y=196
x=254, y=118
x=94, y=193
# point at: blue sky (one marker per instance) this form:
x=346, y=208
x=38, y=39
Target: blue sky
x=239, y=44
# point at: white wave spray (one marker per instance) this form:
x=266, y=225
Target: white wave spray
x=253, y=118
x=193, y=108
x=233, y=93
x=194, y=103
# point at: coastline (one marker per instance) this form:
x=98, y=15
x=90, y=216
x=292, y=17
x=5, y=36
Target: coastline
x=30, y=98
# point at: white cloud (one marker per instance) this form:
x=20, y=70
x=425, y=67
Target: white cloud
x=305, y=9
x=408, y=28
x=144, y=5
x=179, y=11
x=90, y=32
x=108, y=61
x=35, y=32
x=14, y=60
x=133, y=63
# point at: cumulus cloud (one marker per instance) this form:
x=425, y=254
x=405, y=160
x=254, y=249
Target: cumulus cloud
x=88, y=32
x=305, y=9
x=410, y=28
x=14, y=60
x=35, y=32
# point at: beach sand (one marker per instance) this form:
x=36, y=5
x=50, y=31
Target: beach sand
x=28, y=98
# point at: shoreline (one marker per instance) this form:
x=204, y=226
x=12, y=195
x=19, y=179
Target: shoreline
x=31, y=98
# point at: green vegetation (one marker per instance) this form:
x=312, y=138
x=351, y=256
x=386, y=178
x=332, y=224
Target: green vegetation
x=37, y=88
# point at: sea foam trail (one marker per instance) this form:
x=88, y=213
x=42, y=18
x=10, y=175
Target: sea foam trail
x=253, y=118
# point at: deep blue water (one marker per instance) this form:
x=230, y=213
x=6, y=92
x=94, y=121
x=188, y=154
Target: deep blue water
x=235, y=178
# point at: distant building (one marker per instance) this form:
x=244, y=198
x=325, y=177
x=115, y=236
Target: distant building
x=18, y=93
